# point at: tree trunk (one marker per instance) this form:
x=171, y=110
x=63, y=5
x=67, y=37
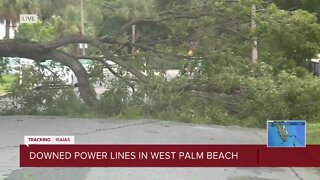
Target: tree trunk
x=25, y=49
x=7, y=29
x=87, y=92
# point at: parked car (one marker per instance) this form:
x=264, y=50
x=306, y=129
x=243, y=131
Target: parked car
x=26, y=62
x=52, y=69
x=12, y=65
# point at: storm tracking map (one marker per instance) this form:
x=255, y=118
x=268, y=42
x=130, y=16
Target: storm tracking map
x=289, y=133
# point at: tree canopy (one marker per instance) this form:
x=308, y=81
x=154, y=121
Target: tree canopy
x=210, y=42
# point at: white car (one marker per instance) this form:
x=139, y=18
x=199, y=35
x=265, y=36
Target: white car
x=15, y=64
x=64, y=73
x=26, y=62
x=12, y=65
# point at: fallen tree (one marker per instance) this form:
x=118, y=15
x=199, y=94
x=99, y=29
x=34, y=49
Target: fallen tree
x=40, y=52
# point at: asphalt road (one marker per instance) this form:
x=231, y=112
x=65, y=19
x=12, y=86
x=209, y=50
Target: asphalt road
x=106, y=131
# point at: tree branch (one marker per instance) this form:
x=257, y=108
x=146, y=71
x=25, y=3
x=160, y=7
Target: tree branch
x=36, y=51
x=152, y=20
x=105, y=64
x=100, y=44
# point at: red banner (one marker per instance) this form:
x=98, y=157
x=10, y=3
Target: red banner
x=167, y=156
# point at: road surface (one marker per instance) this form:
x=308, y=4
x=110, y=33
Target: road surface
x=107, y=131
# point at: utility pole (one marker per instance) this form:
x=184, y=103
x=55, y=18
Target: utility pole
x=133, y=28
x=254, y=54
x=82, y=28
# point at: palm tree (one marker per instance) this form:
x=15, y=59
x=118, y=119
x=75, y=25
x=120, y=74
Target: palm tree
x=132, y=10
x=10, y=11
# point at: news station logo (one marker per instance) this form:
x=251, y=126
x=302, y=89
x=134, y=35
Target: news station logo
x=288, y=133
x=28, y=18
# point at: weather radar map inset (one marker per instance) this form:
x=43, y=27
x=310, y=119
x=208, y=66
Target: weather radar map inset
x=288, y=133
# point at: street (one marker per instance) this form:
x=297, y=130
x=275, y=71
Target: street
x=146, y=131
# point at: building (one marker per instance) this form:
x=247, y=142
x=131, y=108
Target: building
x=2, y=31
x=315, y=66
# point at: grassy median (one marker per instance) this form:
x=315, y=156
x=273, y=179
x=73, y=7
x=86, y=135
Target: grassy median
x=313, y=133
x=8, y=80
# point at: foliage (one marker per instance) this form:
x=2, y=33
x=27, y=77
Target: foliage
x=313, y=130
x=67, y=16
x=284, y=96
x=115, y=99
x=313, y=6
x=27, y=97
x=212, y=38
x=5, y=83
x=10, y=10
x=37, y=32
x=288, y=39
x=2, y=69
x=263, y=95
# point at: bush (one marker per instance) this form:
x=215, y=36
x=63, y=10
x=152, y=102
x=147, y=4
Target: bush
x=249, y=96
x=287, y=95
x=115, y=99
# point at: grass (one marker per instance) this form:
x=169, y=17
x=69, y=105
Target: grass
x=8, y=80
x=313, y=133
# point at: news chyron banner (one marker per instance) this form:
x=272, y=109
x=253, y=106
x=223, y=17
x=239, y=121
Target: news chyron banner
x=285, y=147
